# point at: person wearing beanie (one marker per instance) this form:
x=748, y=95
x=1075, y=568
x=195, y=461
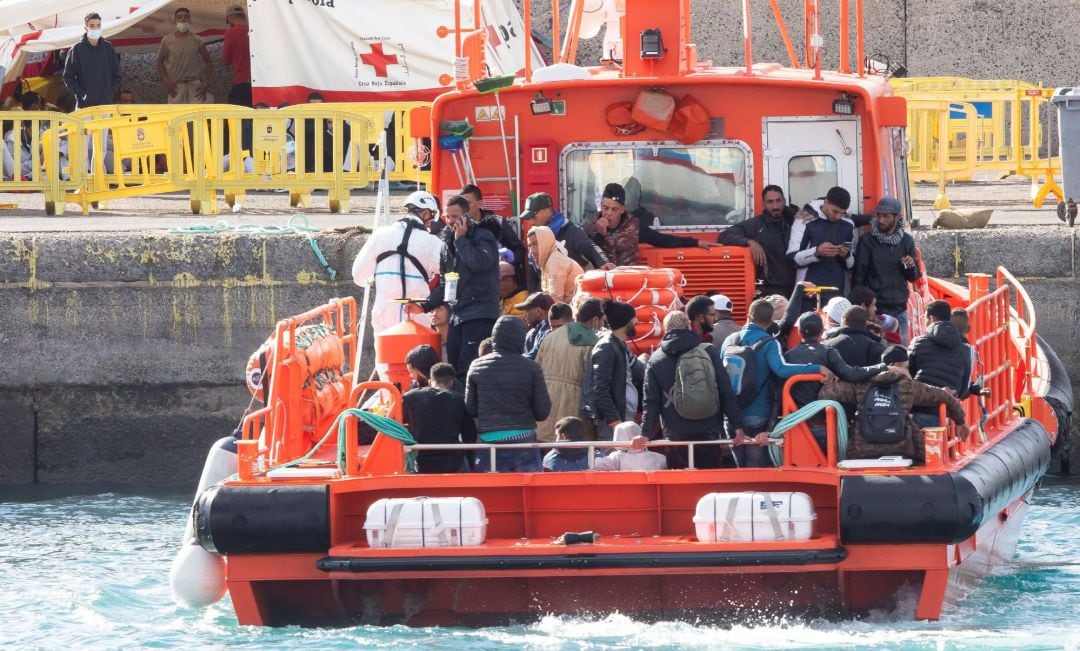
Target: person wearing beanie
x=611, y=388
x=618, y=232
x=563, y=356
x=630, y=458
x=812, y=351
x=510, y=293
x=913, y=394
x=886, y=262
x=890, y=328
x=834, y=312
x=506, y=394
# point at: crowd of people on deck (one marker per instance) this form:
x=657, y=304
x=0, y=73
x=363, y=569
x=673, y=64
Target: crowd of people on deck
x=526, y=360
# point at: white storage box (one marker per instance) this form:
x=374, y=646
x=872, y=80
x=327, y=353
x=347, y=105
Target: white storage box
x=426, y=522
x=745, y=517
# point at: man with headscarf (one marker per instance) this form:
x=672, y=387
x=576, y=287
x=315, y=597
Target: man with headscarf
x=618, y=232
x=885, y=262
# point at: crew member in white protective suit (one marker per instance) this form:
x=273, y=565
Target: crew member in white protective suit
x=401, y=257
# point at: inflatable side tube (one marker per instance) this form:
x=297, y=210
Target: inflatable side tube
x=263, y=519
x=947, y=507
x=1060, y=398
x=581, y=562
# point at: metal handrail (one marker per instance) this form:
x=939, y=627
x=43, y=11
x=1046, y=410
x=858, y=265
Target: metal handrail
x=592, y=446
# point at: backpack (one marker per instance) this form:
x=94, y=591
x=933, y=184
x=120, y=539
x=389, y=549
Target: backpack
x=740, y=362
x=694, y=394
x=881, y=417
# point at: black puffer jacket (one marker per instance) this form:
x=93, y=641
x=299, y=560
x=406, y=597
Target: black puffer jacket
x=506, y=391
x=660, y=378
x=476, y=258
x=941, y=358
x=603, y=391
x=857, y=346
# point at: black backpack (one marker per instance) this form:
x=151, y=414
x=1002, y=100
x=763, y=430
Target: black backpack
x=881, y=416
x=740, y=362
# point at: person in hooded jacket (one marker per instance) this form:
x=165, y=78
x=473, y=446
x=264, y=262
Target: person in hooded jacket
x=632, y=458
x=940, y=358
x=92, y=69
x=914, y=395
x=659, y=412
x=558, y=272
x=563, y=356
x=472, y=252
x=540, y=210
x=506, y=394
x=856, y=345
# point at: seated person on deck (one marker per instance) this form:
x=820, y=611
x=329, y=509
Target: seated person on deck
x=436, y=415
x=569, y=430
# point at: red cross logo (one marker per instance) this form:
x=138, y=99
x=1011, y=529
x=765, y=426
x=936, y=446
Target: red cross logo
x=378, y=59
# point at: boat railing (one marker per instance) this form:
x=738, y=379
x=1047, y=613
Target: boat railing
x=492, y=449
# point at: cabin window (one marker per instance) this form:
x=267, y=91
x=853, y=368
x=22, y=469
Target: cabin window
x=810, y=177
x=700, y=186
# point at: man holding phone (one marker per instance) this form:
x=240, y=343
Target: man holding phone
x=821, y=246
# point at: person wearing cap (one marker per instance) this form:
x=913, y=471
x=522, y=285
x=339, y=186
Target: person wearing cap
x=178, y=62
x=510, y=293
x=812, y=351
x=536, y=311
x=236, y=53
x=855, y=343
x=611, y=390
x=563, y=356
x=618, y=232
x=821, y=249
x=750, y=449
x=913, y=393
x=558, y=273
x=767, y=235
x=400, y=258
x=834, y=314
x=540, y=210
x=885, y=262
x=470, y=251
x=725, y=326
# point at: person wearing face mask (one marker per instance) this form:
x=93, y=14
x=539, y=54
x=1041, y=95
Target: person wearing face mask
x=611, y=390
x=178, y=65
x=92, y=69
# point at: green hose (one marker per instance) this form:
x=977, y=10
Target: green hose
x=804, y=414
x=222, y=226
x=388, y=426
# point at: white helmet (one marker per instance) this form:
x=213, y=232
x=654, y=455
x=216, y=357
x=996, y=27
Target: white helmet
x=422, y=200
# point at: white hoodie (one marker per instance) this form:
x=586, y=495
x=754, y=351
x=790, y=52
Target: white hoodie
x=630, y=459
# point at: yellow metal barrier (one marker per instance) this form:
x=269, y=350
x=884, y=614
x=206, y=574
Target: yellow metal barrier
x=327, y=150
x=1011, y=128
x=42, y=152
x=410, y=155
x=931, y=157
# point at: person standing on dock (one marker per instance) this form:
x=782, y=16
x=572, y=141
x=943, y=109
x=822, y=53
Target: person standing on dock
x=178, y=63
x=92, y=69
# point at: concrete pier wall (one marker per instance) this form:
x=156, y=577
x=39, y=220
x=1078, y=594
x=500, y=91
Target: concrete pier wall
x=126, y=351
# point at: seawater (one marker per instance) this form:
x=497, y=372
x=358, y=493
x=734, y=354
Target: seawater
x=90, y=571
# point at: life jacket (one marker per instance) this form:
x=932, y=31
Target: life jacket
x=403, y=251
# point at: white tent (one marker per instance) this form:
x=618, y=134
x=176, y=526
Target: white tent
x=347, y=50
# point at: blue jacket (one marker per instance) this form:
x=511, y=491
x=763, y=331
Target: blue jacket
x=768, y=356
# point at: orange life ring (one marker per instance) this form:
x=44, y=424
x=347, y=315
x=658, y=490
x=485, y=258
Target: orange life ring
x=639, y=297
x=629, y=278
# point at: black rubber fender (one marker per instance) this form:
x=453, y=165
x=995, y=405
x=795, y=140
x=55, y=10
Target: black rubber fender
x=946, y=507
x=1059, y=396
x=254, y=519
